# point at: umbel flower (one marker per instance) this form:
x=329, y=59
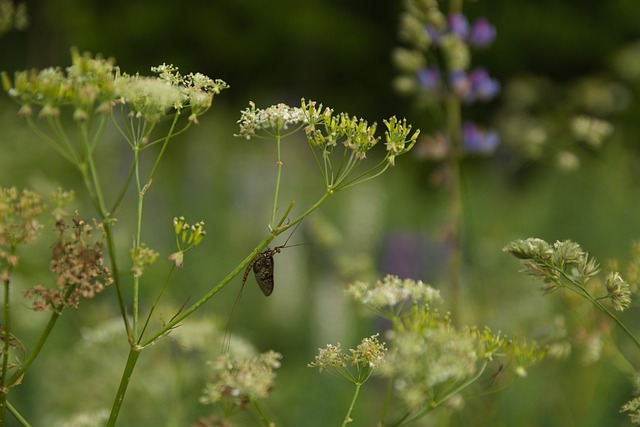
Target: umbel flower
x=339, y=142
x=91, y=85
x=429, y=360
x=236, y=383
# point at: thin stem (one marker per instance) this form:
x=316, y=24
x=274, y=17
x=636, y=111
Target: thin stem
x=36, y=349
x=115, y=274
x=583, y=291
x=155, y=302
x=171, y=324
x=7, y=342
x=347, y=418
x=134, y=353
x=262, y=415
x=17, y=415
x=435, y=403
x=454, y=124
x=277, y=190
x=387, y=399
x=136, y=243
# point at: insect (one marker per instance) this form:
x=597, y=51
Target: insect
x=262, y=265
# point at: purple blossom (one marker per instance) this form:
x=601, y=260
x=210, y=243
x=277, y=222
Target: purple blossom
x=483, y=87
x=429, y=78
x=434, y=34
x=459, y=25
x=482, y=33
x=460, y=84
x=479, y=141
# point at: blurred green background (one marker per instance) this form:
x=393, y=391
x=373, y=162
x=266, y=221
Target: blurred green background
x=336, y=52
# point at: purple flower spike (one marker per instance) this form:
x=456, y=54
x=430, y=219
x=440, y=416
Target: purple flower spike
x=459, y=25
x=483, y=87
x=482, y=33
x=429, y=78
x=477, y=141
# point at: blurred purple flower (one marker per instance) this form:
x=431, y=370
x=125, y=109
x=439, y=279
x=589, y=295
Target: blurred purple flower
x=478, y=141
x=429, y=78
x=482, y=33
x=434, y=34
x=483, y=87
x=459, y=25
x=460, y=84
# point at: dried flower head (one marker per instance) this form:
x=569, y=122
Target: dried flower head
x=79, y=266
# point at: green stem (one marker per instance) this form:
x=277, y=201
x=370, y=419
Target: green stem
x=454, y=126
x=136, y=243
x=17, y=415
x=155, y=302
x=387, y=399
x=277, y=191
x=115, y=274
x=36, y=349
x=585, y=293
x=347, y=418
x=134, y=353
x=435, y=403
x=7, y=341
x=262, y=415
x=171, y=324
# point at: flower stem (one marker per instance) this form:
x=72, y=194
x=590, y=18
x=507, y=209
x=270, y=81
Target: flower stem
x=134, y=353
x=6, y=347
x=277, y=190
x=454, y=124
x=347, y=418
x=18, y=416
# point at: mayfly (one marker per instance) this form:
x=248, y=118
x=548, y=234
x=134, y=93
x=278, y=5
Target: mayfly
x=262, y=266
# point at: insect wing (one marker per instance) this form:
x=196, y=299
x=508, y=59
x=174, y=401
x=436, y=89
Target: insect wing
x=263, y=270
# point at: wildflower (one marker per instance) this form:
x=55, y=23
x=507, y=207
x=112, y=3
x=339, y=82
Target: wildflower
x=475, y=140
x=236, y=383
x=18, y=217
x=142, y=257
x=187, y=238
x=272, y=120
x=429, y=78
x=618, y=291
x=591, y=130
x=79, y=266
x=459, y=25
x=483, y=87
x=366, y=357
x=482, y=33
x=389, y=295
